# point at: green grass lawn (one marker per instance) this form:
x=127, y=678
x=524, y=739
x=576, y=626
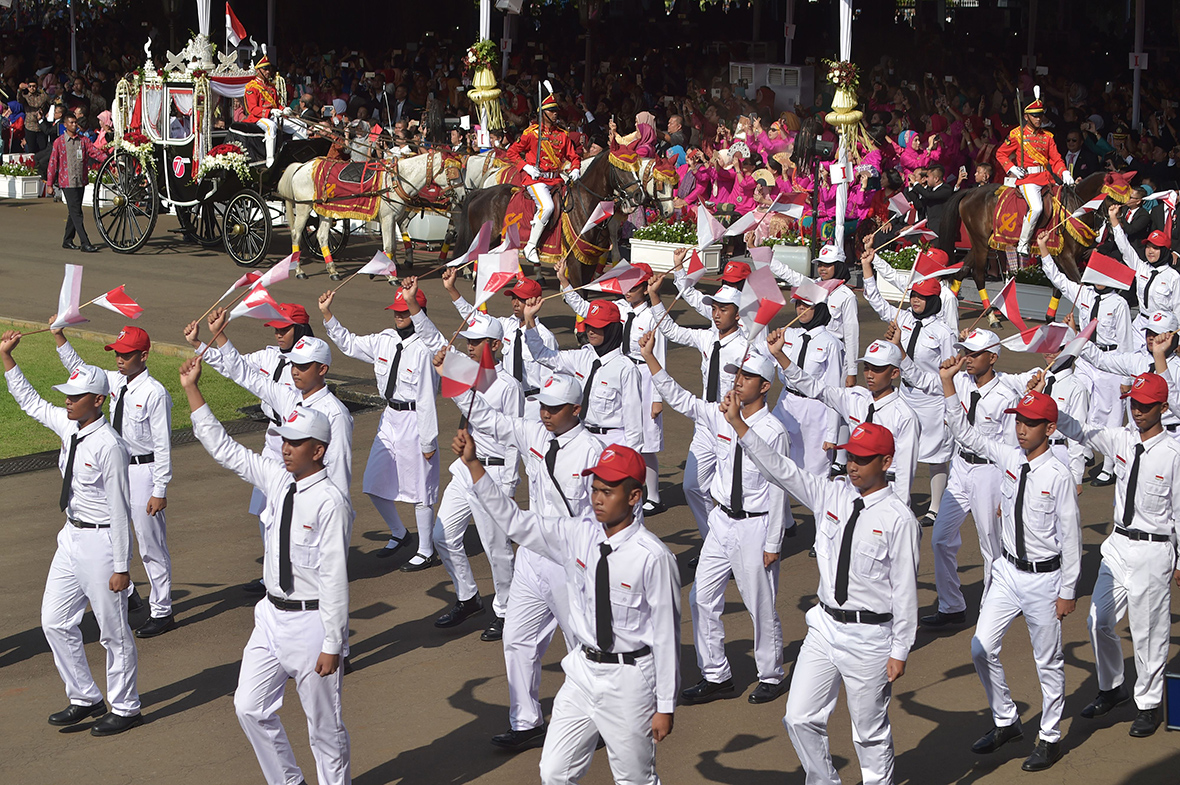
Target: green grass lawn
x=38, y=359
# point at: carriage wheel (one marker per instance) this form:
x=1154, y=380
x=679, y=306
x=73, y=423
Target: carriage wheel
x=126, y=203
x=247, y=228
x=203, y=223
x=337, y=236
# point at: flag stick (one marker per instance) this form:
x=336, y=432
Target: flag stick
x=42, y=330
x=214, y=338
x=909, y=285
x=232, y=302
x=667, y=311
x=89, y=302
x=434, y=270
x=563, y=291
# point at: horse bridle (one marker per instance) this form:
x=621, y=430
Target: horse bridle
x=647, y=172
x=626, y=192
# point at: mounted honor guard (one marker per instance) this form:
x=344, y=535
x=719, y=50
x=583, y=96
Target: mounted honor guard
x=264, y=107
x=1029, y=155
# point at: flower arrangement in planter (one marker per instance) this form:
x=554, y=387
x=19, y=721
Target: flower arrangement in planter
x=138, y=145
x=228, y=157
x=677, y=232
x=901, y=259
x=17, y=170
x=789, y=237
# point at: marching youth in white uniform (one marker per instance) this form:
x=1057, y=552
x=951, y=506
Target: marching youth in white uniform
x=1037, y=572
x=842, y=304
x=93, y=547
x=624, y=590
x=141, y=412
x=1156, y=282
x=948, y=314
x=1127, y=365
x=861, y=631
x=1072, y=396
x=301, y=626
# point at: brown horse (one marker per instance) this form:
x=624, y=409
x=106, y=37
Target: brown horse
x=600, y=181
x=976, y=209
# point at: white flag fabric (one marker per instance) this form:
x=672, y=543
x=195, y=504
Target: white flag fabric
x=761, y=300
x=235, y=32
x=601, y=213
x=67, y=301
x=810, y=292
x=258, y=304
x=743, y=224
x=696, y=268
x=279, y=272
x=709, y=229
x=380, y=264
x=495, y=271
x=118, y=301
x=511, y=239
x=246, y=280
x=479, y=245
x=457, y=375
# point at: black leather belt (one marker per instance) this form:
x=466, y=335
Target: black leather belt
x=796, y=393
x=1135, y=534
x=531, y=391
x=622, y=658
x=402, y=406
x=293, y=605
x=77, y=524
x=856, y=617
x=1107, y=347
x=738, y=515
x=138, y=459
x=599, y=430
x=1057, y=440
x=1172, y=428
x=972, y=458
x=492, y=461
x=1024, y=565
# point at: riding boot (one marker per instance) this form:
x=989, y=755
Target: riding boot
x=1026, y=233
x=530, y=248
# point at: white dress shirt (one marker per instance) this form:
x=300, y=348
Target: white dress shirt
x=644, y=581
x=900, y=279
x=733, y=348
x=531, y=374
x=1132, y=364
x=824, y=363
x=883, y=571
x=842, y=305
x=272, y=363
x=1114, y=316
x=506, y=396
x=321, y=520
x=147, y=417
x=643, y=323
x=1052, y=523
x=935, y=340
x=1164, y=294
x=1002, y=392
x=1073, y=398
x=100, y=492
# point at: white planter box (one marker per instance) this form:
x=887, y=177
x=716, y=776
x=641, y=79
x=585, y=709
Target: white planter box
x=1033, y=300
x=19, y=158
x=659, y=255
x=20, y=187
x=796, y=257
x=428, y=227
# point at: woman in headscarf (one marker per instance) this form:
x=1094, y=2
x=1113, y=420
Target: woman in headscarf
x=645, y=128
x=105, y=130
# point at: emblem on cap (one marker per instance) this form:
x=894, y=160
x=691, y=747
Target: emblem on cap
x=1139, y=382
x=1027, y=400
x=858, y=433
x=549, y=382
x=873, y=348
x=74, y=375
x=1158, y=317
x=294, y=416
x=607, y=454
x=121, y=334
x=300, y=345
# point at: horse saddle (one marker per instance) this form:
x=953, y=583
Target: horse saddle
x=520, y=211
x=347, y=189
x=356, y=173
x=1009, y=219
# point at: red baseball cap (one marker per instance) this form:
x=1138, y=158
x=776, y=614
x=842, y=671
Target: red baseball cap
x=524, y=289
x=647, y=272
x=938, y=256
x=617, y=463
x=1159, y=239
x=1148, y=388
x=927, y=288
x=1035, y=406
x=602, y=313
x=868, y=440
x=131, y=339
x=399, y=302
x=735, y=272
x=295, y=313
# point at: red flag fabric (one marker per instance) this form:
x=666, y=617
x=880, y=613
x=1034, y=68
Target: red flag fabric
x=117, y=300
x=927, y=267
x=1005, y=303
x=380, y=264
x=279, y=272
x=696, y=268
x=258, y=304
x=1074, y=347
x=601, y=213
x=900, y=205
x=919, y=230
x=1045, y=339
x=458, y=374
x=620, y=279
x=1102, y=270
x=494, y=272
x=761, y=300
x=235, y=31
x=246, y=280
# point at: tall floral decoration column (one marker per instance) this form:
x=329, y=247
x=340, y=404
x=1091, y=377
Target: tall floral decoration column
x=481, y=61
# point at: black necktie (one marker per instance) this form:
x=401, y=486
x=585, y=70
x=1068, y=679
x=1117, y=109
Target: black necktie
x=286, y=577
x=518, y=358
x=551, y=467
x=735, y=489
x=117, y=420
x=586, y=390
x=1021, y=551
x=1094, y=315
x=391, y=382
x=67, y=479
x=909, y=349
x=803, y=350
x=277, y=375
x=713, y=382
x=1132, y=484
x=975, y=396
x=872, y=411
x=626, y=344
x=1147, y=288
x=846, y=553
x=1049, y=385
x=602, y=614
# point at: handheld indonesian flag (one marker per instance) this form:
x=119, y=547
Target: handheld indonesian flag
x=810, y=292
x=117, y=300
x=258, y=304
x=480, y=245
x=235, y=32
x=791, y=205
x=760, y=302
x=279, y=272
x=899, y=205
x=1091, y=206
x=487, y=369
x=933, y=264
x=1045, y=339
x=380, y=264
x=246, y=280
x=1074, y=347
x=695, y=269
x=494, y=272
x=67, y=301
x=1005, y=303
x=709, y=229
x=459, y=373
x=620, y=279
x=1102, y=270
x=762, y=254
x=918, y=230
x=1169, y=201
x=743, y=224
x=601, y=213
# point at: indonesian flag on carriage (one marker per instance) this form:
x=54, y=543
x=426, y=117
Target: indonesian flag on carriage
x=117, y=300
x=235, y=31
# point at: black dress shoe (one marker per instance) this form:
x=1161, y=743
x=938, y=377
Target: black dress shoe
x=93, y=249
x=1044, y=755
x=997, y=737
x=255, y=587
x=134, y=602
x=653, y=508
x=156, y=625
x=1103, y=478
x=69, y=246
x=705, y=691
x=811, y=552
x=73, y=714
x=393, y=546
x=838, y=470
x=420, y=562
x=461, y=612
x=495, y=630
x=517, y=740
x=1106, y=700
x=1146, y=722
x=113, y=724
x=927, y=520
x=693, y=562
x=765, y=692
x=940, y=619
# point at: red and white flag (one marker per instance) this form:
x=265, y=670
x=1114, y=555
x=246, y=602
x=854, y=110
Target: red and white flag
x=487, y=369
x=901, y=206
x=695, y=270
x=743, y=224
x=480, y=245
x=258, y=304
x=279, y=272
x=709, y=229
x=1005, y=303
x=494, y=272
x=919, y=230
x=927, y=267
x=1102, y=270
x=67, y=300
x=235, y=31
x=380, y=264
x=811, y=292
x=1089, y=206
x=511, y=239
x=246, y=280
x=117, y=300
x=762, y=254
x=1074, y=347
x=760, y=301
x=601, y=213
x=619, y=279
x=458, y=374
x=1045, y=339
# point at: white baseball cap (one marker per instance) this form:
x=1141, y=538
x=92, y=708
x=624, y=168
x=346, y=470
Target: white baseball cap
x=310, y=350
x=1160, y=322
x=979, y=340
x=726, y=295
x=559, y=390
x=882, y=353
x=85, y=379
x=756, y=365
x=830, y=254
x=481, y=326
x=304, y=423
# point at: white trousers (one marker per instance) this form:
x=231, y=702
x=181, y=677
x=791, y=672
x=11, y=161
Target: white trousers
x=81, y=572
x=698, y=475
x=151, y=536
x=544, y=200
x=738, y=546
x=806, y=421
x=271, y=126
x=973, y=488
x=1032, y=195
x=285, y=645
x=537, y=603
x=855, y=654
x=1133, y=580
x=610, y=700
x=454, y=512
x=1035, y=595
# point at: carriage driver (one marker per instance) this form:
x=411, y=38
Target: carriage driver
x=543, y=151
x=264, y=107
x=1029, y=154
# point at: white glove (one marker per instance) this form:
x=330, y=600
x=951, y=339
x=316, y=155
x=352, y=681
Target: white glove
x=1017, y=172
x=532, y=171
x=1067, y=178
x=574, y=174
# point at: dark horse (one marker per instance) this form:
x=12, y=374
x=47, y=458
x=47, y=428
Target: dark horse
x=976, y=208
x=601, y=181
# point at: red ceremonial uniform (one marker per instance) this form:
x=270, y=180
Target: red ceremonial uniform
x=261, y=97
x=557, y=149
x=1039, y=156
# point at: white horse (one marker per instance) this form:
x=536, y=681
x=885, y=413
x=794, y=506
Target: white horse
x=399, y=181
